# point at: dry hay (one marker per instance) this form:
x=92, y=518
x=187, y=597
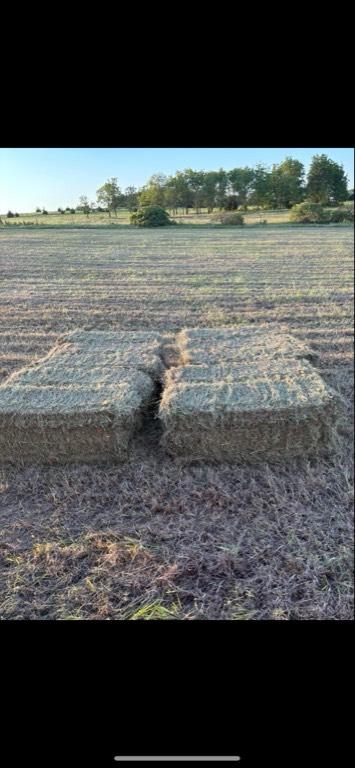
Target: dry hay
x=140, y=350
x=259, y=398
x=104, y=339
x=261, y=368
x=214, y=345
x=81, y=363
x=56, y=424
x=82, y=402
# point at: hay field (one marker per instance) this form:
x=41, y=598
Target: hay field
x=158, y=538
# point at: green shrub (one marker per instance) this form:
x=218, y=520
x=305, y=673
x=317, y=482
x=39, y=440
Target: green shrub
x=10, y=215
x=150, y=216
x=343, y=214
x=308, y=213
x=231, y=219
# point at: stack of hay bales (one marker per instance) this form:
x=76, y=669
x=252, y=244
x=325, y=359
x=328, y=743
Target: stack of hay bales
x=83, y=401
x=244, y=395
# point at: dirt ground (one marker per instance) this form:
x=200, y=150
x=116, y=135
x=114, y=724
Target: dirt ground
x=158, y=538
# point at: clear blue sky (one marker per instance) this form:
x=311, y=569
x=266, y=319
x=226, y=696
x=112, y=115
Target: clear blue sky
x=57, y=177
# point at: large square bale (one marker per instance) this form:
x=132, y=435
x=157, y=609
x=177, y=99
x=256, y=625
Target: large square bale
x=82, y=402
x=248, y=421
x=55, y=424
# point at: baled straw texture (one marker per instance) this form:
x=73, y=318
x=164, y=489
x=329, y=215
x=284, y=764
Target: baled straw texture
x=247, y=395
x=260, y=368
x=56, y=424
x=213, y=349
x=111, y=338
x=82, y=402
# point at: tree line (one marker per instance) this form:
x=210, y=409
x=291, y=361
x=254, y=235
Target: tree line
x=280, y=186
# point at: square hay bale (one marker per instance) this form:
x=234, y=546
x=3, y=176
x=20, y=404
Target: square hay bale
x=56, y=424
x=244, y=394
x=83, y=401
x=248, y=421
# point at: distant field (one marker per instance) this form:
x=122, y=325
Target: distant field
x=158, y=538
x=123, y=217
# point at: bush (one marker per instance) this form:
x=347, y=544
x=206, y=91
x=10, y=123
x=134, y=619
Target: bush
x=44, y=212
x=151, y=216
x=230, y=219
x=308, y=213
x=10, y=215
x=343, y=214
x=314, y=213
x=38, y=210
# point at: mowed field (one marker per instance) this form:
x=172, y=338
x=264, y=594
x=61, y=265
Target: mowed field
x=157, y=538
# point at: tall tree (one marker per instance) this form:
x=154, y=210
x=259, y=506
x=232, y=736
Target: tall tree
x=110, y=195
x=153, y=193
x=209, y=190
x=171, y=195
x=286, y=183
x=183, y=195
x=195, y=182
x=241, y=180
x=84, y=205
x=222, y=187
x=131, y=198
x=327, y=181
x=260, y=193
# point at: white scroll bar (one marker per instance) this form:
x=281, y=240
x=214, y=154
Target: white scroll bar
x=178, y=758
